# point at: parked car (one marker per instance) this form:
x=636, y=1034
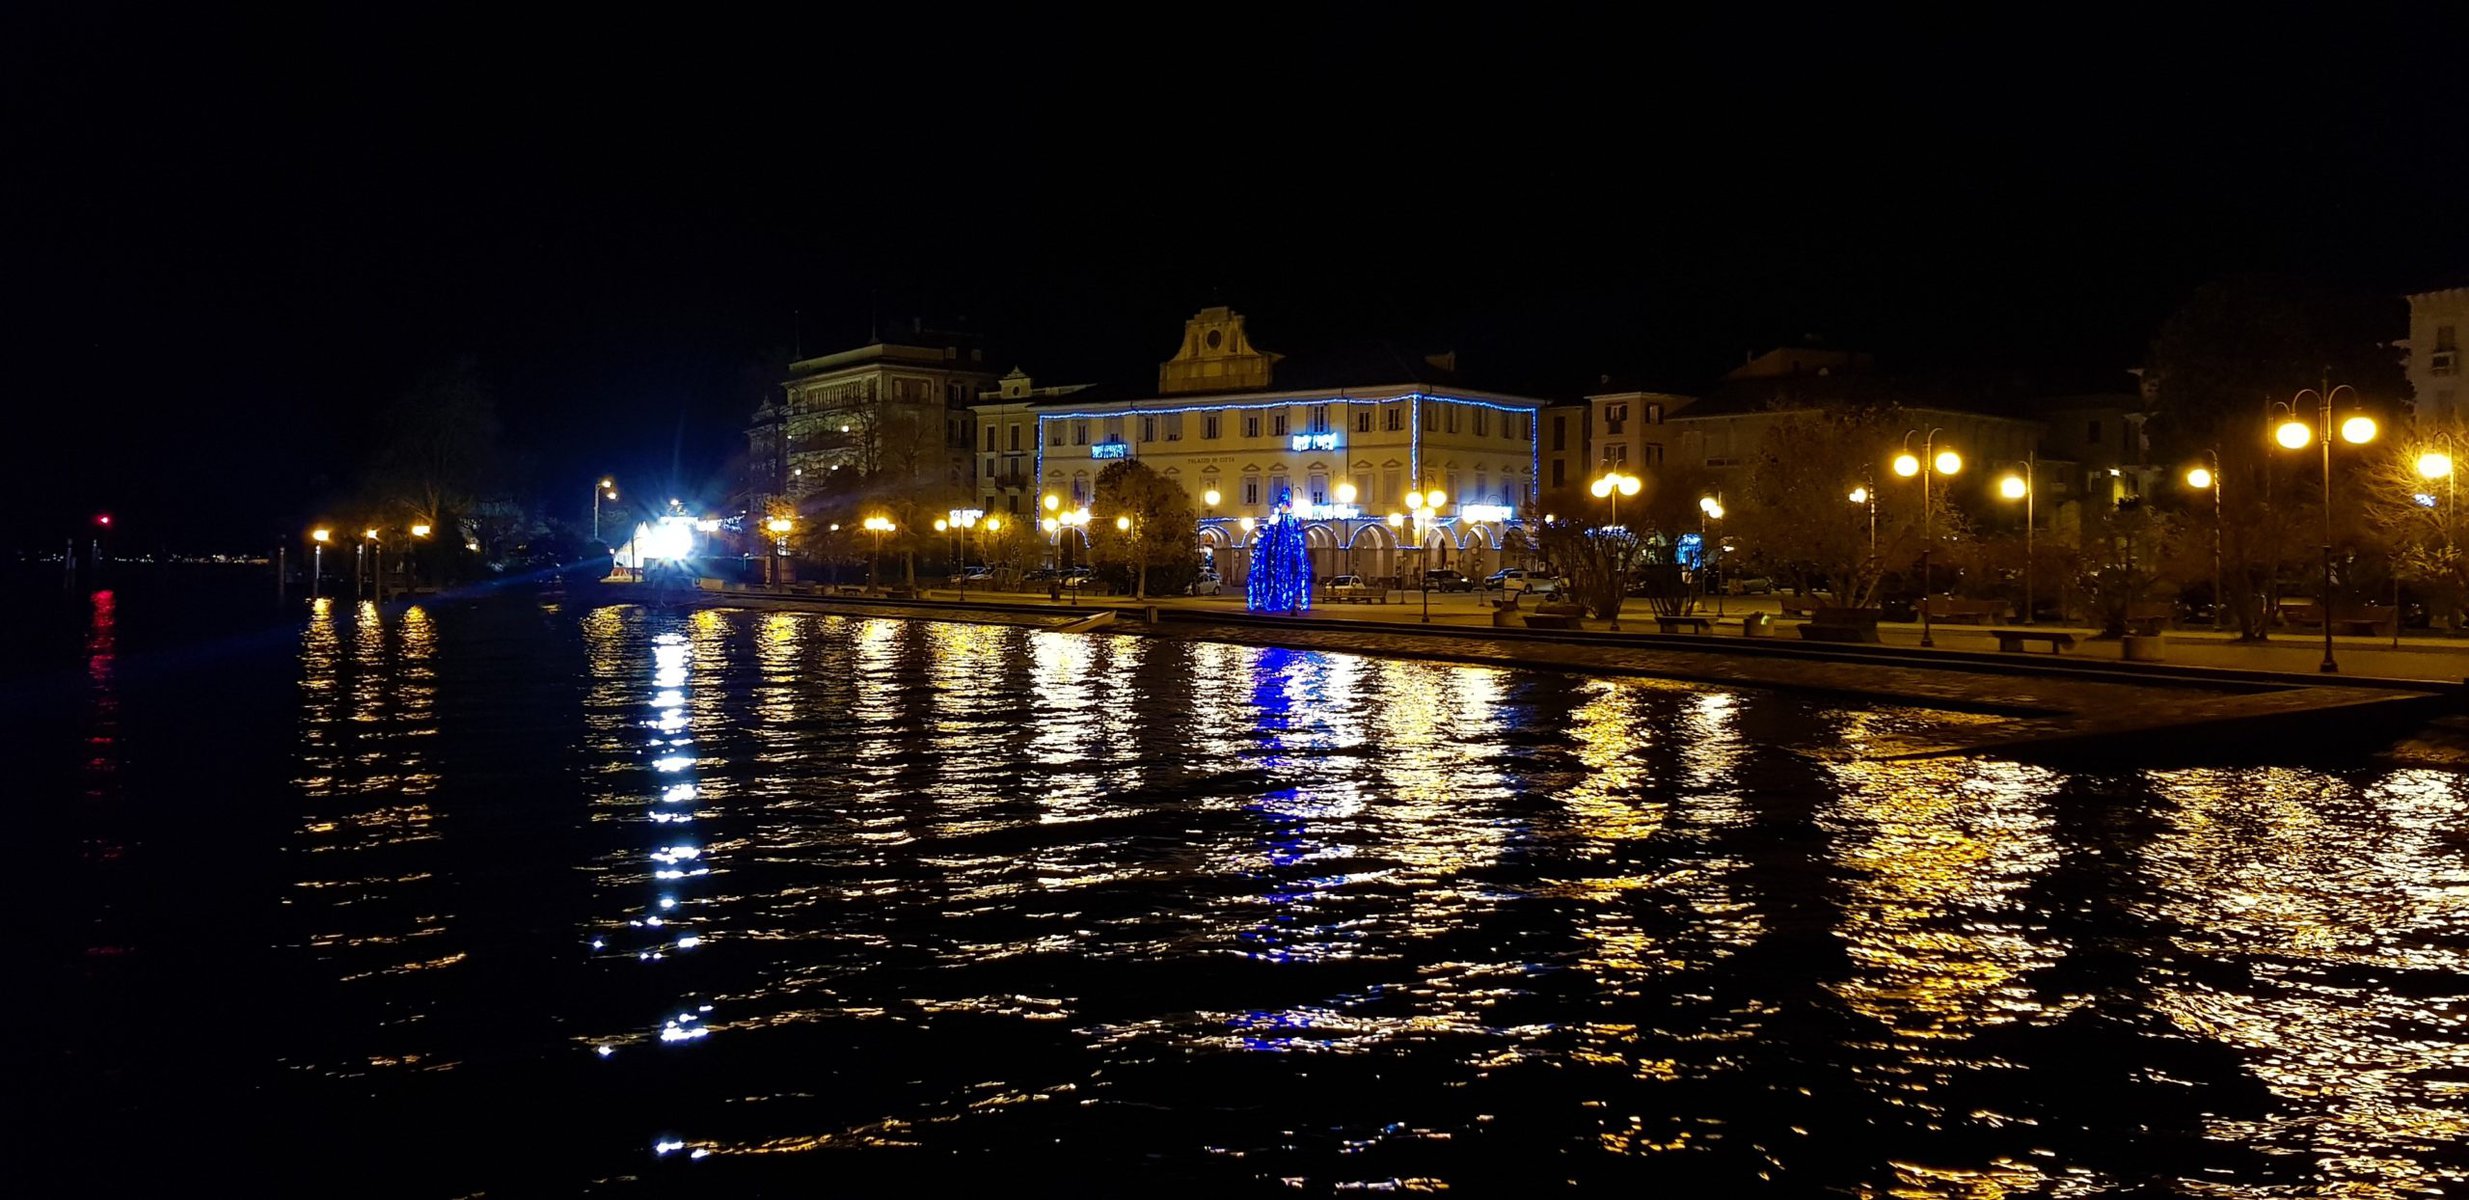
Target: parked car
x=1339, y=581
x=1442, y=579
x=973, y=577
x=1537, y=585
x=1041, y=575
x=1501, y=579
x=1206, y=584
x=1751, y=585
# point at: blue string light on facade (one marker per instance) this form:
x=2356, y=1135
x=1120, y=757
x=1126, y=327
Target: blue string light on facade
x=1281, y=573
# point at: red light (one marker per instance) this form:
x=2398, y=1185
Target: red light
x=104, y=519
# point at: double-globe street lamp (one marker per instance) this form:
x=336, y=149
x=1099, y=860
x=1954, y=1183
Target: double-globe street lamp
x=1931, y=460
x=1709, y=511
x=2294, y=434
x=1425, y=507
x=605, y=489
x=779, y=528
x=879, y=527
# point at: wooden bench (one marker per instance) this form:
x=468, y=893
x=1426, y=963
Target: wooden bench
x=1831, y=624
x=1556, y=616
x=1359, y=593
x=2010, y=641
x=1674, y=624
x=2369, y=620
x=1799, y=606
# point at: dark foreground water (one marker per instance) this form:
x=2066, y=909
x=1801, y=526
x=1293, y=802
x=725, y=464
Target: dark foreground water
x=522, y=898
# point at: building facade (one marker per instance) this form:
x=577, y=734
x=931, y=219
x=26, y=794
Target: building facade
x=1344, y=452
x=890, y=408
x=2436, y=321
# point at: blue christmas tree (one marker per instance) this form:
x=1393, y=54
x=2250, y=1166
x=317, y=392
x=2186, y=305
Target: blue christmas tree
x=1281, y=574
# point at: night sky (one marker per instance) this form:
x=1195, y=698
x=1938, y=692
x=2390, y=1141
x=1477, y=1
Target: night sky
x=236, y=235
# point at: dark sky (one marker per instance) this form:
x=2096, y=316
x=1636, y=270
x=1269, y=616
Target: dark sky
x=235, y=235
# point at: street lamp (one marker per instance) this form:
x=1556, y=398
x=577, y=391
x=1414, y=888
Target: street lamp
x=1946, y=462
x=1708, y=509
x=2293, y=434
x=1612, y=486
x=1862, y=495
x=2206, y=478
x=411, y=556
x=878, y=526
x=317, y=567
x=1425, y=506
x=605, y=489
x=2021, y=487
x=1346, y=496
x=779, y=528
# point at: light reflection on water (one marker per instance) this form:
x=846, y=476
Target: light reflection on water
x=1269, y=915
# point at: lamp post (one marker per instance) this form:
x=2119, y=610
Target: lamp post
x=2206, y=478
x=1942, y=462
x=1709, y=509
x=2022, y=487
x=1346, y=496
x=317, y=567
x=411, y=555
x=878, y=526
x=1425, y=506
x=2293, y=434
x=2437, y=464
x=607, y=487
x=1865, y=495
x=779, y=528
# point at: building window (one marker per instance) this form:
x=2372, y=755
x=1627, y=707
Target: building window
x=1483, y=487
x=1015, y=437
x=1525, y=427
x=1615, y=419
x=1560, y=473
x=1560, y=432
x=1651, y=454
x=1456, y=492
x=1251, y=493
x=1320, y=488
x=1363, y=420
x=1320, y=418
x=951, y=394
x=1174, y=427
x=1277, y=424
x=1616, y=454
x=1148, y=429
x=1448, y=416
x=1394, y=417
x=1114, y=429
x=2447, y=337
x=990, y=439
x=1251, y=425
x=1208, y=427
x=1483, y=422
x=2091, y=432
x=1654, y=414
x=1279, y=487
x=1080, y=433
x=1363, y=489
x=1389, y=488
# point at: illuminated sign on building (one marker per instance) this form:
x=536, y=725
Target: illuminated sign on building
x=1111, y=450
x=1314, y=441
x=1485, y=512
x=1328, y=512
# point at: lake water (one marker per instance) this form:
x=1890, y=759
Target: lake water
x=519, y=897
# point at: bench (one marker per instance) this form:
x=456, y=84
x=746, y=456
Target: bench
x=2368, y=620
x=2146, y=620
x=1674, y=624
x=1359, y=593
x=1799, y=606
x=2010, y=641
x=1831, y=624
x=1555, y=616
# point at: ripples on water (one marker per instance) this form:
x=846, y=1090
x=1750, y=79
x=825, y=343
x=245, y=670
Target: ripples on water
x=770, y=899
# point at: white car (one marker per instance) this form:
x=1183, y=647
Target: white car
x=1206, y=585
x=1534, y=585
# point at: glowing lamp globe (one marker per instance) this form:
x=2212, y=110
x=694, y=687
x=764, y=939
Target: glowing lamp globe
x=1860, y=495
x=1907, y=465
x=1210, y=497
x=1123, y=523
x=1602, y=488
x=2435, y=464
x=1435, y=497
x=2293, y=434
x=1415, y=499
x=320, y=535
x=2199, y=478
x=1948, y=462
x=1346, y=493
x=2012, y=487
x=2357, y=431
x=1629, y=485
x=1053, y=502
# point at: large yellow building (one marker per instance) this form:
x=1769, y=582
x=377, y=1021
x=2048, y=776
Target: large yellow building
x=1343, y=442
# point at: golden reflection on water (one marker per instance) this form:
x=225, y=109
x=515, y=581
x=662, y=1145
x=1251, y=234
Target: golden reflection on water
x=1936, y=854
x=2349, y=905
x=367, y=900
